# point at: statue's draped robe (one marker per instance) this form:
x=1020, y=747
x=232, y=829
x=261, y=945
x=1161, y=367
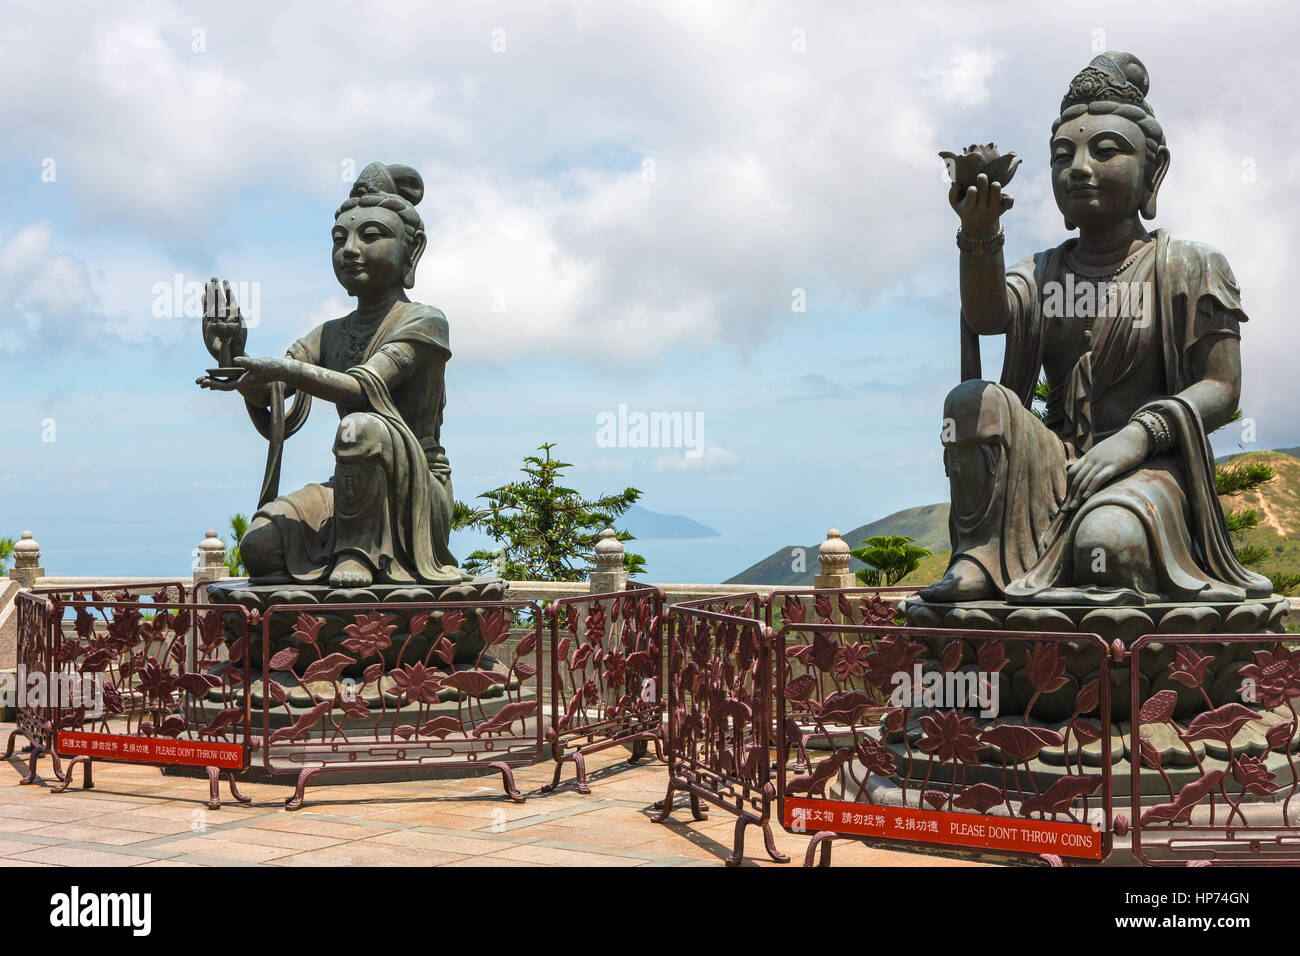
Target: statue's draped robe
x=1015, y=528
x=400, y=515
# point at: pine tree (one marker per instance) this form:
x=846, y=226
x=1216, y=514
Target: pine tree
x=546, y=532
x=238, y=528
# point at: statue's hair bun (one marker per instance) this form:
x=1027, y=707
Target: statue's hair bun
x=410, y=185
x=1133, y=69
x=395, y=180
x=1111, y=77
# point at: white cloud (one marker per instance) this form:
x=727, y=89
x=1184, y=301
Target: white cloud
x=963, y=79
x=773, y=169
x=43, y=294
x=713, y=458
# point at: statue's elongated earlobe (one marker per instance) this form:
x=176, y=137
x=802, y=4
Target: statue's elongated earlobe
x=417, y=250
x=1149, y=206
x=1162, y=167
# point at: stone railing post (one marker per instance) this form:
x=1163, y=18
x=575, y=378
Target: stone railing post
x=833, y=559
x=212, y=563
x=609, y=574
x=27, y=561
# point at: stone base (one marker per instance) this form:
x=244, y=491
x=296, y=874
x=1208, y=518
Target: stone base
x=258, y=597
x=1126, y=623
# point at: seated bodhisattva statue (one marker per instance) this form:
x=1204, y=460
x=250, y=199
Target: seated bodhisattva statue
x=385, y=516
x=1109, y=499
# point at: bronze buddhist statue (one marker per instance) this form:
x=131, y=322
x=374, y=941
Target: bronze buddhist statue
x=385, y=515
x=1108, y=499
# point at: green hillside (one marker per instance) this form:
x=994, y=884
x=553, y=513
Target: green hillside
x=927, y=524
x=1278, y=504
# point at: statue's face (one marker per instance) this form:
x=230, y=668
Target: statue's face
x=1098, y=169
x=369, y=250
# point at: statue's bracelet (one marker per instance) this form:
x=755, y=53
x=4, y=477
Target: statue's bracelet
x=981, y=246
x=1157, y=428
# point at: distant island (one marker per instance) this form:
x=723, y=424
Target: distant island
x=1278, y=503
x=646, y=524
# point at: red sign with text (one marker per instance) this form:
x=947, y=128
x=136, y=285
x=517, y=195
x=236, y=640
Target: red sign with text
x=196, y=753
x=937, y=826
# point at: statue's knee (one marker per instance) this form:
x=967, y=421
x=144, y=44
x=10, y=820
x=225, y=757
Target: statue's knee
x=1110, y=547
x=260, y=548
x=974, y=411
x=360, y=435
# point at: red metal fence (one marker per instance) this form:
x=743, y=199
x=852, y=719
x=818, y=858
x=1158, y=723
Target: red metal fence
x=374, y=687
x=865, y=606
x=914, y=747
x=719, y=701
x=35, y=718
x=606, y=665
x=1216, y=731
x=127, y=679
x=448, y=687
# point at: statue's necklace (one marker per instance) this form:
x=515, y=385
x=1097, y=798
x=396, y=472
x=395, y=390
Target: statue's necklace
x=1107, y=276
x=358, y=337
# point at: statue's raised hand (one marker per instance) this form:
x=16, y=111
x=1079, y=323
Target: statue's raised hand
x=979, y=205
x=224, y=331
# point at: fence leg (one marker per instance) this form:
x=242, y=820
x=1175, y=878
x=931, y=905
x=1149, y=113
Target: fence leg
x=555, y=780
x=738, y=844
x=234, y=791
x=34, y=751
x=214, y=788
x=822, y=839
x=30, y=776
x=579, y=764
x=55, y=760
x=66, y=779
x=639, y=748
x=299, y=792
x=769, y=844
x=508, y=781
x=665, y=806
x=698, y=810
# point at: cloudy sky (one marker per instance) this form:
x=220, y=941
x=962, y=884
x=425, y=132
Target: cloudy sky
x=627, y=204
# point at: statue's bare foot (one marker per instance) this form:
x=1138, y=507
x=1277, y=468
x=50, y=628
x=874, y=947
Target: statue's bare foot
x=965, y=581
x=350, y=572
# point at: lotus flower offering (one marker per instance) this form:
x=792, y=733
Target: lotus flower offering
x=964, y=169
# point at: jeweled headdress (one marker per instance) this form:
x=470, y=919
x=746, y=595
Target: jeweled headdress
x=1111, y=77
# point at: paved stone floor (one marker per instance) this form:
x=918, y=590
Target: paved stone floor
x=135, y=816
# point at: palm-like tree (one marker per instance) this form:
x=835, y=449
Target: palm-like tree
x=888, y=558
